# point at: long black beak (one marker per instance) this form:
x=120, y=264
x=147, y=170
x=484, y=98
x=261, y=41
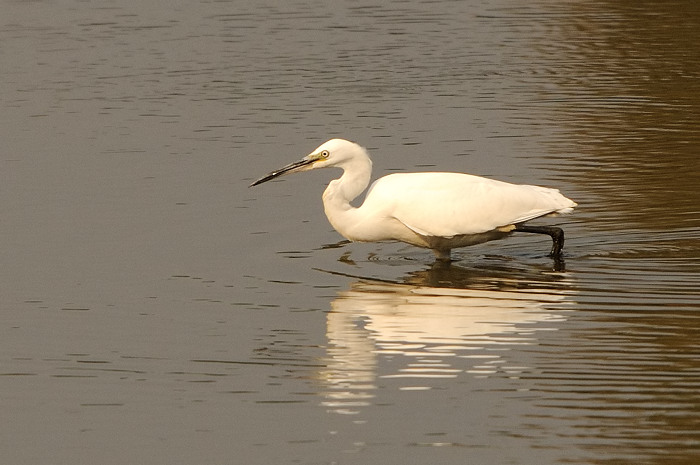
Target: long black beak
x=291, y=168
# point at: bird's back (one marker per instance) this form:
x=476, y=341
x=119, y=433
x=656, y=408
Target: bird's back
x=452, y=204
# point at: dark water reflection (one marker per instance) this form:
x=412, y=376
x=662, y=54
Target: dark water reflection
x=626, y=97
x=156, y=310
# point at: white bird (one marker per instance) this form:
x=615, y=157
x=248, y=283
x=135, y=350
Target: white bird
x=438, y=211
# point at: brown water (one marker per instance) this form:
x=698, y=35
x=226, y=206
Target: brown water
x=156, y=310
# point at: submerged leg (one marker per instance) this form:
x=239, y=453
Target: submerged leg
x=442, y=255
x=557, y=235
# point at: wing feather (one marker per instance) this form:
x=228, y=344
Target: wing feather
x=451, y=204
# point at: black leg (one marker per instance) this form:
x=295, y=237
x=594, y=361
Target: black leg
x=556, y=233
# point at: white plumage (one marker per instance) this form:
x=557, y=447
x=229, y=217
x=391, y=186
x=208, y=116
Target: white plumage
x=439, y=211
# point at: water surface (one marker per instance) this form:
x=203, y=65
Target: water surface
x=156, y=310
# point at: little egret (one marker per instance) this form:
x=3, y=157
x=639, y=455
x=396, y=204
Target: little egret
x=438, y=211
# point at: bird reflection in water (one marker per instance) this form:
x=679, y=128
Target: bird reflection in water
x=430, y=332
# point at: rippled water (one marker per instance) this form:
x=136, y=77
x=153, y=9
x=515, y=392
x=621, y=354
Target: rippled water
x=156, y=310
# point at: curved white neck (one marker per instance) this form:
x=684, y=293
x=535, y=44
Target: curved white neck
x=340, y=192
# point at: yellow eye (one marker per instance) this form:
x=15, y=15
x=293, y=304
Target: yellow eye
x=325, y=154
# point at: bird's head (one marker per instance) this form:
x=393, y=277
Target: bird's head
x=335, y=152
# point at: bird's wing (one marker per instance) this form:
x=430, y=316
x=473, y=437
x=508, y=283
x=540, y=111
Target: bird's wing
x=451, y=204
